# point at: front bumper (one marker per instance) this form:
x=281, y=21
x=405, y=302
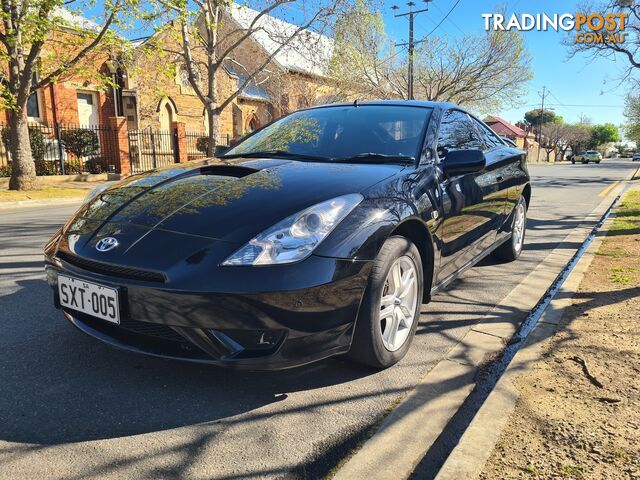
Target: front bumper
x=261, y=330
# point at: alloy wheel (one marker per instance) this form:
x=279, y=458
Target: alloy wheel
x=519, y=226
x=398, y=303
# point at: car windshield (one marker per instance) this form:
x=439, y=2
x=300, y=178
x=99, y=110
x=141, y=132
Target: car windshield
x=376, y=132
x=592, y=152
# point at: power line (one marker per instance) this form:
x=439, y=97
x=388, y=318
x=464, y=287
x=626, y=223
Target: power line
x=440, y=23
x=450, y=21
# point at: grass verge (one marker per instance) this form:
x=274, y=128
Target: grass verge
x=45, y=193
x=578, y=411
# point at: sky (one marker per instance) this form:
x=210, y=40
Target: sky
x=578, y=87
x=593, y=86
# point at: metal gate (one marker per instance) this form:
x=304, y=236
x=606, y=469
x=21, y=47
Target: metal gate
x=149, y=149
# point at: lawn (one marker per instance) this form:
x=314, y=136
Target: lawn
x=627, y=214
x=44, y=193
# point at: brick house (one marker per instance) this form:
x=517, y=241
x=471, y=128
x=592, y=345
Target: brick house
x=136, y=114
x=524, y=140
x=297, y=76
x=79, y=98
x=503, y=128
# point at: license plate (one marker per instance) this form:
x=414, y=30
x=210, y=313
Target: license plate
x=90, y=298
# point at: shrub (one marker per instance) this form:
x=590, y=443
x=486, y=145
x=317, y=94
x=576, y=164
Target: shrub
x=73, y=168
x=5, y=170
x=80, y=141
x=44, y=167
x=97, y=165
x=202, y=143
x=36, y=139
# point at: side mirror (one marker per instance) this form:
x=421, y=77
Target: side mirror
x=461, y=162
x=509, y=142
x=220, y=150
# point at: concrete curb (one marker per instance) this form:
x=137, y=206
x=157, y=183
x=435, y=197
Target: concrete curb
x=410, y=430
x=41, y=203
x=479, y=439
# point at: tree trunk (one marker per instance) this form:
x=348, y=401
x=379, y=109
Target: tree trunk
x=214, y=130
x=23, y=169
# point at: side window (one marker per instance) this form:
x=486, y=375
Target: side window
x=488, y=136
x=457, y=133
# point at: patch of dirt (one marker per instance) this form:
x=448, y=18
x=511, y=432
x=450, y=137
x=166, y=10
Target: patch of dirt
x=565, y=425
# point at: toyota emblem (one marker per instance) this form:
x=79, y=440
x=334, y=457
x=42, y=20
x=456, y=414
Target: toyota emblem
x=106, y=244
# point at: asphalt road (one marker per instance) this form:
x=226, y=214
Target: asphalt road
x=73, y=408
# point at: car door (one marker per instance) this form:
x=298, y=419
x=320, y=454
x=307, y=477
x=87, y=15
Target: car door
x=469, y=201
x=501, y=160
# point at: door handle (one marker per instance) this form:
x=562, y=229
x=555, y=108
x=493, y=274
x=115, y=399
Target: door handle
x=499, y=178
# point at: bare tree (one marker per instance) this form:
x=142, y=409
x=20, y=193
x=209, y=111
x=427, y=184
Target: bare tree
x=629, y=51
x=210, y=40
x=552, y=136
x=26, y=26
x=484, y=72
x=574, y=137
x=365, y=63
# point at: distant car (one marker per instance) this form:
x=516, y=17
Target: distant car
x=636, y=156
x=587, y=156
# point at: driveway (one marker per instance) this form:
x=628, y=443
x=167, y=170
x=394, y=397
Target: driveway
x=73, y=408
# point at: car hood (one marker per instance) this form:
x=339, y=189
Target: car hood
x=231, y=201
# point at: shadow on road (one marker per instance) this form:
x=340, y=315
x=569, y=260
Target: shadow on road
x=75, y=389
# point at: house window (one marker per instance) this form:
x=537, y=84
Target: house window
x=253, y=124
x=33, y=106
x=33, y=102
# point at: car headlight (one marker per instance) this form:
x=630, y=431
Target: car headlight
x=294, y=238
x=97, y=191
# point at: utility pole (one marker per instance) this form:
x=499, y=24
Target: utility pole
x=411, y=14
x=540, y=121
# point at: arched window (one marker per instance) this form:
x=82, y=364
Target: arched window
x=167, y=113
x=253, y=124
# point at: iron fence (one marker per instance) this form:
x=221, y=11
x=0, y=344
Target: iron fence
x=197, y=143
x=61, y=149
x=149, y=149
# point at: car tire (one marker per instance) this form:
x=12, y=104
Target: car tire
x=512, y=248
x=376, y=342
x=573, y=162
x=598, y=162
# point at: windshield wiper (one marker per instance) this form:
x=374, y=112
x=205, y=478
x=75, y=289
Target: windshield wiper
x=277, y=153
x=375, y=158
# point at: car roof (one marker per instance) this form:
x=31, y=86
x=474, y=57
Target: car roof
x=395, y=103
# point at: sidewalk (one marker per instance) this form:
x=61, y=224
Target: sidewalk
x=576, y=392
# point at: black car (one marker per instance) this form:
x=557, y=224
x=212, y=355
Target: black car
x=320, y=234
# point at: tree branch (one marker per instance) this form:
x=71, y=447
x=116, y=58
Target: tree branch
x=80, y=55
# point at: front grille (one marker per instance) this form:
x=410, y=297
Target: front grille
x=110, y=269
x=152, y=329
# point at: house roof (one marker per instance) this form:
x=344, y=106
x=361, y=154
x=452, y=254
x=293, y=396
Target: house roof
x=517, y=131
x=73, y=20
x=251, y=91
x=309, y=52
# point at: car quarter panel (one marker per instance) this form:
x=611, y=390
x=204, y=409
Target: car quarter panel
x=411, y=195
